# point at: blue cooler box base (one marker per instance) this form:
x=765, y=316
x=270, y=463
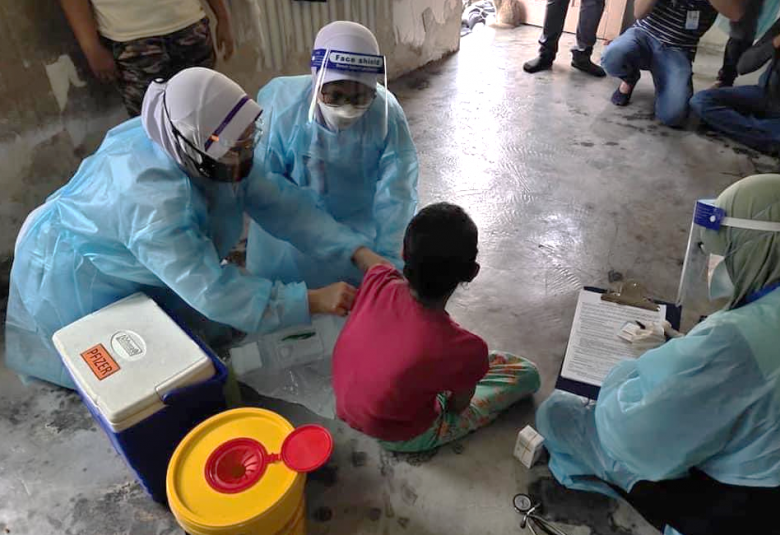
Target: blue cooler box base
x=148, y=446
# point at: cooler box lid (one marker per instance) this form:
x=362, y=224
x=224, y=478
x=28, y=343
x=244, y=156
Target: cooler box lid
x=127, y=356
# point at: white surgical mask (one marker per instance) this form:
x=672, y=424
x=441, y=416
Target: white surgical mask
x=339, y=118
x=720, y=283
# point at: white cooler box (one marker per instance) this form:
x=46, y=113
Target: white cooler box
x=144, y=379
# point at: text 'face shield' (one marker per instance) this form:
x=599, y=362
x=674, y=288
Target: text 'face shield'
x=342, y=106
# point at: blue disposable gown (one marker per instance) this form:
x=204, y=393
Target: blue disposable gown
x=364, y=177
x=709, y=400
x=130, y=220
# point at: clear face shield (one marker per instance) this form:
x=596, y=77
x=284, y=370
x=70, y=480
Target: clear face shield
x=235, y=157
x=705, y=276
x=345, y=86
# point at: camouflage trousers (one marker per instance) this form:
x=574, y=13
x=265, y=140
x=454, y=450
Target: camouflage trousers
x=141, y=61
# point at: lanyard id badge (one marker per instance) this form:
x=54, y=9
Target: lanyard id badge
x=692, y=20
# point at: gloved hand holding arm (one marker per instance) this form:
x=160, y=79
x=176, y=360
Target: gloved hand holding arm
x=364, y=258
x=185, y=260
x=396, y=196
x=291, y=214
x=336, y=298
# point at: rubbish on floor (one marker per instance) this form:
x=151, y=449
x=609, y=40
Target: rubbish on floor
x=244, y=472
x=532, y=516
x=145, y=381
x=529, y=446
x=476, y=13
x=293, y=364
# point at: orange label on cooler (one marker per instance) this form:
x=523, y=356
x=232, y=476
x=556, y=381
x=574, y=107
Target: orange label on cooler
x=100, y=362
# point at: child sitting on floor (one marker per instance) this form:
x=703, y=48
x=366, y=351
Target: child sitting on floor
x=403, y=371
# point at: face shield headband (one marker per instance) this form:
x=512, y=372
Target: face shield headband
x=324, y=60
x=208, y=166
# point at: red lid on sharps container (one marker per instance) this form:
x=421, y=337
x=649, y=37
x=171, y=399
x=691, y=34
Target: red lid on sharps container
x=238, y=464
x=307, y=448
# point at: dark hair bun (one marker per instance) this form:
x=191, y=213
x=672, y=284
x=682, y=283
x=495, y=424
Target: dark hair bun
x=440, y=250
x=435, y=278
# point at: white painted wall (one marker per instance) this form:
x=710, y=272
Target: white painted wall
x=715, y=39
x=409, y=21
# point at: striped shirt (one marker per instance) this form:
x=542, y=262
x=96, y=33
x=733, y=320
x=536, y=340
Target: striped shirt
x=667, y=21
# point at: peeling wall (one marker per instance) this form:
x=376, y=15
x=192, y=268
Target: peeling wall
x=275, y=36
x=53, y=112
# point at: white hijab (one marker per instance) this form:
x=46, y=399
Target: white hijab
x=347, y=36
x=202, y=103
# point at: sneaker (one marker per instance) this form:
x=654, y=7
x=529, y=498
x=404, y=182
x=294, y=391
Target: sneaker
x=537, y=65
x=581, y=61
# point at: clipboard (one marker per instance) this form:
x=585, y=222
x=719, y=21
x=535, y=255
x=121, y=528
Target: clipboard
x=673, y=316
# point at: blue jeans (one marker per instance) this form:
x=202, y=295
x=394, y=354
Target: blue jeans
x=636, y=50
x=743, y=113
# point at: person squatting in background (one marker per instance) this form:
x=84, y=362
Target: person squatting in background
x=663, y=41
x=748, y=113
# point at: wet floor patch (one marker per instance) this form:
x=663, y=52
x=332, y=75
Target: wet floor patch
x=322, y=514
x=359, y=458
x=70, y=415
x=408, y=494
x=124, y=508
x=15, y=412
x=388, y=460
x=419, y=83
x=327, y=475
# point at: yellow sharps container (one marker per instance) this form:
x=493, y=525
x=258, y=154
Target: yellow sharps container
x=242, y=472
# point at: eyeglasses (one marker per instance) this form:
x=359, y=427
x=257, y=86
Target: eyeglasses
x=224, y=169
x=336, y=97
x=245, y=145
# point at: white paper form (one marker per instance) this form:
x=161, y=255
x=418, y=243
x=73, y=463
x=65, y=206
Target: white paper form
x=594, y=347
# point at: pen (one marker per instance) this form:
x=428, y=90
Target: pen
x=641, y=325
x=300, y=336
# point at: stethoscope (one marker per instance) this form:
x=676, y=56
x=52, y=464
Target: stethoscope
x=531, y=512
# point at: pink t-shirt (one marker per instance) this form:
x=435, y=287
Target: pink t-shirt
x=394, y=356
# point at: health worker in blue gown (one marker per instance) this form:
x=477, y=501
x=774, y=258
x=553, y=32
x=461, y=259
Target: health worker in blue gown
x=156, y=209
x=689, y=432
x=341, y=137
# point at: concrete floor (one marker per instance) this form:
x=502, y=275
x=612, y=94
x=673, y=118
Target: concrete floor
x=566, y=189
